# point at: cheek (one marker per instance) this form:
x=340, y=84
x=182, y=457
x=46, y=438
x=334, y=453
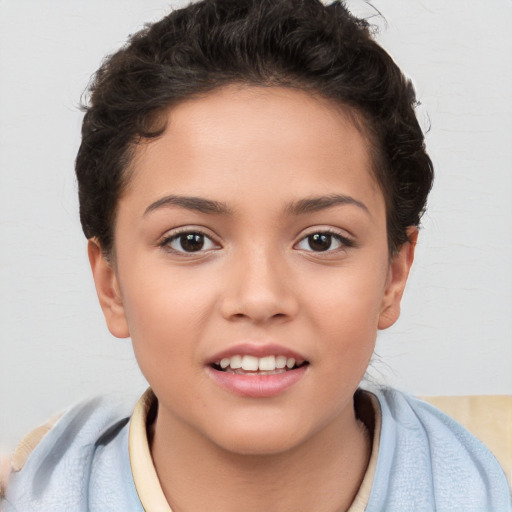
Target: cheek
x=163, y=297
x=345, y=310
x=346, y=297
x=165, y=319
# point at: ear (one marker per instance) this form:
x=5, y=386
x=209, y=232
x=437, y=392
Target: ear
x=107, y=288
x=397, y=277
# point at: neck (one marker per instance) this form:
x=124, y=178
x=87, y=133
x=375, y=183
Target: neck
x=322, y=474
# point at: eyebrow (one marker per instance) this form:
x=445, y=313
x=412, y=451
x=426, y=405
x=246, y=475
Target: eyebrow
x=198, y=204
x=302, y=206
x=315, y=204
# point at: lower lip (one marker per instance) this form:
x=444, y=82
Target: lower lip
x=257, y=386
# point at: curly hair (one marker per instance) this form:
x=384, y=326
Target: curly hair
x=302, y=44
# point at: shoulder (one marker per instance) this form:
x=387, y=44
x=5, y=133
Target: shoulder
x=430, y=460
x=82, y=424
x=63, y=464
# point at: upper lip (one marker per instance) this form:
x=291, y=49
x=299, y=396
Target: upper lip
x=256, y=350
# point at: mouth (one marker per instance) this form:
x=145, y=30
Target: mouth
x=253, y=366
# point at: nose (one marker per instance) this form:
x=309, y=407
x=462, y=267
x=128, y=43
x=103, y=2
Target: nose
x=259, y=288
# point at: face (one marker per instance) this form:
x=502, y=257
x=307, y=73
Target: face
x=252, y=236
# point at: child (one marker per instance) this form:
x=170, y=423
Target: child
x=251, y=180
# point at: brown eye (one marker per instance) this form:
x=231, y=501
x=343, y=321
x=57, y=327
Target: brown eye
x=320, y=242
x=323, y=241
x=190, y=242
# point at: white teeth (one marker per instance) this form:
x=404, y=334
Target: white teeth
x=235, y=362
x=267, y=363
x=290, y=362
x=254, y=364
x=254, y=374
x=280, y=361
x=250, y=363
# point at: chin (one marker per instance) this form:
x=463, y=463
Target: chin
x=259, y=439
x=259, y=447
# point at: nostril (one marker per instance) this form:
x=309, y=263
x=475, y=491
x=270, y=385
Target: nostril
x=258, y=300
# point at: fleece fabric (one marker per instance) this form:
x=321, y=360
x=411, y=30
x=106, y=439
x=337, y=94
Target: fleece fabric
x=426, y=462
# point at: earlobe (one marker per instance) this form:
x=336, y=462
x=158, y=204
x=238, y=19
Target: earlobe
x=107, y=288
x=397, y=278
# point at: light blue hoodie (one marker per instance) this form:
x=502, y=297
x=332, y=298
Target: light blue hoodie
x=426, y=462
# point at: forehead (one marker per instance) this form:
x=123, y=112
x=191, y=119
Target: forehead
x=246, y=139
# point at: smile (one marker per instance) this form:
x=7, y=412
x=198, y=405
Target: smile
x=252, y=365
x=262, y=375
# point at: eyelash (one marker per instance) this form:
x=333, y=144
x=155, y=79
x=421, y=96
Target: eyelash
x=166, y=242
x=344, y=241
